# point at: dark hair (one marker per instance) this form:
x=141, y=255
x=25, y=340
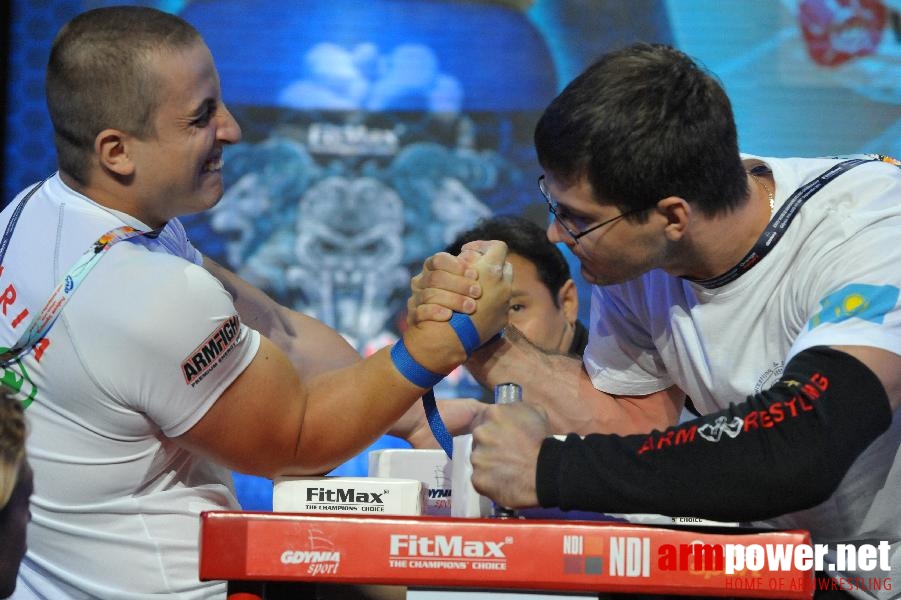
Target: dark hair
x=528, y=240
x=641, y=124
x=99, y=77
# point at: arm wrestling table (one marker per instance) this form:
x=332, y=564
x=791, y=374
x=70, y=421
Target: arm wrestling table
x=486, y=554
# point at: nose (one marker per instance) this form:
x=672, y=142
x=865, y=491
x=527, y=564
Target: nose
x=229, y=131
x=556, y=234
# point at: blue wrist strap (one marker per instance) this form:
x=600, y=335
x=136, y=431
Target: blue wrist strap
x=412, y=370
x=436, y=424
x=466, y=331
x=422, y=377
x=419, y=375
x=469, y=335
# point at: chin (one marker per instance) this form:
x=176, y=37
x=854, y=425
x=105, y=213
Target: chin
x=212, y=203
x=591, y=278
x=594, y=279
x=206, y=201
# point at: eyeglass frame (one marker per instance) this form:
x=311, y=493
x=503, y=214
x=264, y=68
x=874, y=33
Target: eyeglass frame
x=552, y=208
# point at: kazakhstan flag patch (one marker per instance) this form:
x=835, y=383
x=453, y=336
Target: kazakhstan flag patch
x=860, y=300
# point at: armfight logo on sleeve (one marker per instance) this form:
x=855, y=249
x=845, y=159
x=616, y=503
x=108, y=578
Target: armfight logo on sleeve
x=211, y=352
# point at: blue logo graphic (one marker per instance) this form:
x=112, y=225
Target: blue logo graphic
x=69, y=284
x=867, y=302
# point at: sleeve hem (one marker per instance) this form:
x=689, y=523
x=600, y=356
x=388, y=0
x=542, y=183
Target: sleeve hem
x=547, y=472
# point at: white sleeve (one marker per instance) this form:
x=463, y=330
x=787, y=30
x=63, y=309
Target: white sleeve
x=620, y=357
x=853, y=296
x=178, y=340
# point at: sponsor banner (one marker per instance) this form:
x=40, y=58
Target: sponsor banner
x=536, y=555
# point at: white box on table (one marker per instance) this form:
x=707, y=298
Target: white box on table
x=347, y=495
x=432, y=468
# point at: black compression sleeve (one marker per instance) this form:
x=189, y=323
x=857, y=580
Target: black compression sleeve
x=780, y=451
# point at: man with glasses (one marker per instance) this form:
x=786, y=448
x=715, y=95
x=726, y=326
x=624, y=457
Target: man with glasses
x=765, y=289
x=576, y=226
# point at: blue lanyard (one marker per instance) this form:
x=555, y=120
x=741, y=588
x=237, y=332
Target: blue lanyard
x=14, y=218
x=780, y=222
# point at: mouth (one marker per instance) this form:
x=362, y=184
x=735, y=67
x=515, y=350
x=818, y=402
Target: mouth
x=213, y=165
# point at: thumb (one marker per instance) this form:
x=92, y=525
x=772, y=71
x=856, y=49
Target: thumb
x=493, y=259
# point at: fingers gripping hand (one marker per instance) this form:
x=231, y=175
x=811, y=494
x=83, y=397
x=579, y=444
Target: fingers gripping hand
x=439, y=347
x=446, y=283
x=505, y=446
x=471, y=251
x=496, y=278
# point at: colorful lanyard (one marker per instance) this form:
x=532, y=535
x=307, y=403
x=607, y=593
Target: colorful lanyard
x=41, y=324
x=780, y=222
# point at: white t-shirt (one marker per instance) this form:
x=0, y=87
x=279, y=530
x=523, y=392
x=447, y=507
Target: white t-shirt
x=833, y=279
x=140, y=353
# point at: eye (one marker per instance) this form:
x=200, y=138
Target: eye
x=568, y=217
x=206, y=114
x=517, y=307
x=578, y=223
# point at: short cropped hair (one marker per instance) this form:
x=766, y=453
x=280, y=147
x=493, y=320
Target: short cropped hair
x=528, y=240
x=12, y=444
x=641, y=124
x=98, y=77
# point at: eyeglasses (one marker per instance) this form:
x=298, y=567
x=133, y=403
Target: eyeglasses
x=580, y=230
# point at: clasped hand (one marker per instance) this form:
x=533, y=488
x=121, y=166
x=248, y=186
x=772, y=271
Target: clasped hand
x=506, y=439
x=450, y=283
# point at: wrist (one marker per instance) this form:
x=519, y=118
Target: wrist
x=422, y=365
x=435, y=346
x=413, y=370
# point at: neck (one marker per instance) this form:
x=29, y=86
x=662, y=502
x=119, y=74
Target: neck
x=113, y=197
x=566, y=337
x=716, y=244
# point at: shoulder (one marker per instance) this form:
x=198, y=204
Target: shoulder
x=855, y=180
x=157, y=312
x=654, y=285
x=840, y=208
x=141, y=290
x=162, y=267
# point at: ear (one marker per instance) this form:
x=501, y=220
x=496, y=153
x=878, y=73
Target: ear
x=111, y=147
x=568, y=300
x=678, y=214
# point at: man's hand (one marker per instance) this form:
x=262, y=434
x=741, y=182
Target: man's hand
x=427, y=339
x=458, y=415
x=446, y=283
x=505, y=446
